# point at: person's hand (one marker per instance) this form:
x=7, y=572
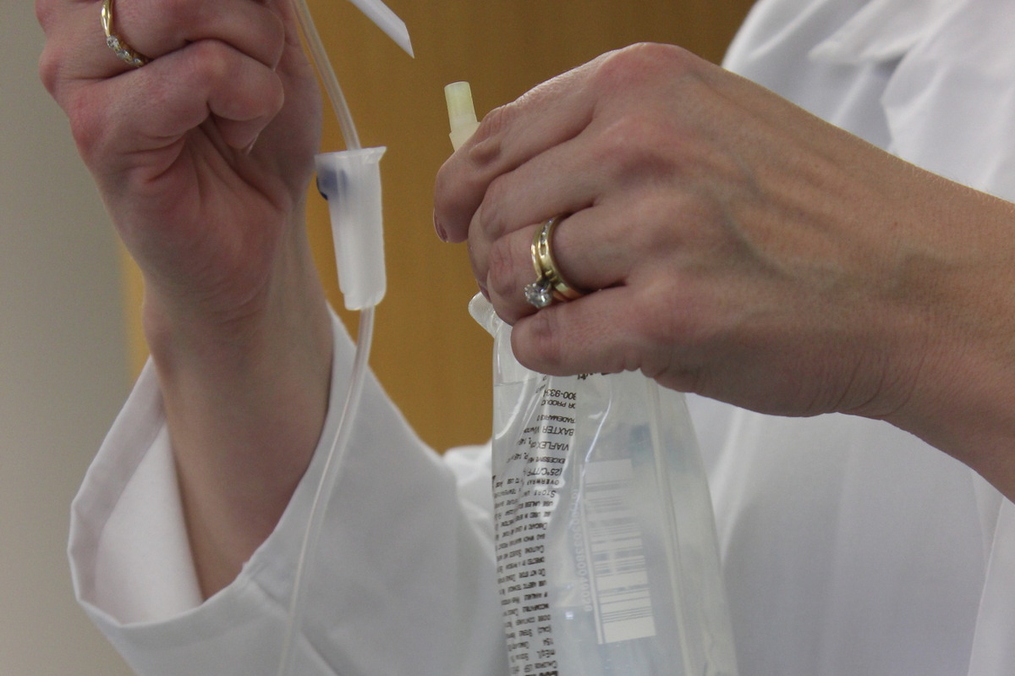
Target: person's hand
x=709, y=217
x=203, y=157
x=733, y=245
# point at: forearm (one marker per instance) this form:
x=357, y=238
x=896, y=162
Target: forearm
x=963, y=397
x=245, y=396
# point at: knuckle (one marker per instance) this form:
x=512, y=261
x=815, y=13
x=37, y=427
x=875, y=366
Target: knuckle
x=275, y=38
x=669, y=325
x=49, y=68
x=685, y=229
x=177, y=13
x=646, y=232
x=207, y=64
x=444, y=196
x=502, y=263
x=644, y=143
x=86, y=124
x=45, y=12
x=492, y=214
x=635, y=141
x=499, y=119
x=542, y=347
x=640, y=63
x=679, y=317
x=207, y=55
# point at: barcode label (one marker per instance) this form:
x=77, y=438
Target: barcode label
x=623, y=606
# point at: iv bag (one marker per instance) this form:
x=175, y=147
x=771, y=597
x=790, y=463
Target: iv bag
x=607, y=558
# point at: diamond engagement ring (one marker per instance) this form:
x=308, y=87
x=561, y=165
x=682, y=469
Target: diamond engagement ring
x=549, y=285
x=128, y=54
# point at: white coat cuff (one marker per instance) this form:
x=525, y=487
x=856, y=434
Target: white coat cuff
x=403, y=543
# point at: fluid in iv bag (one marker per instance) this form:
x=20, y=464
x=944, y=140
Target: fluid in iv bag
x=607, y=559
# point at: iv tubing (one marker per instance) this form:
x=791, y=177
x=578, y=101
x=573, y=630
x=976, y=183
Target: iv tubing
x=329, y=474
x=327, y=74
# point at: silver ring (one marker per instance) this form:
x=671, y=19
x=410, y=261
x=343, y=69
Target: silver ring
x=550, y=285
x=128, y=54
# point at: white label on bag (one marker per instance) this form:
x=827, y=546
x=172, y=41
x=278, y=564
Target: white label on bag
x=525, y=495
x=623, y=606
x=610, y=582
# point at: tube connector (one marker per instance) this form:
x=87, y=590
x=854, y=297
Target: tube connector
x=351, y=182
x=461, y=112
x=387, y=21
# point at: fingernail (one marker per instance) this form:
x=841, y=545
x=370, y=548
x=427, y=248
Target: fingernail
x=438, y=228
x=250, y=148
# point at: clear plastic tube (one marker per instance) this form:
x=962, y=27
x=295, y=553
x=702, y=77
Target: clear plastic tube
x=329, y=475
x=327, y=74
x=339, y=447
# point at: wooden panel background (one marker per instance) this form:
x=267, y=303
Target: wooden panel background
x=431, y=357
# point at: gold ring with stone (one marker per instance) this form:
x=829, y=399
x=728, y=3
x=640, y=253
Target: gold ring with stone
x=550, y=285
x=128, y=54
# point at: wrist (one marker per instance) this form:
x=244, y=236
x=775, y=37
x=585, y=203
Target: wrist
x=961, y=397
x=245, y=389
x=262, y=309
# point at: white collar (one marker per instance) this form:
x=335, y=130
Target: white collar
x=883, y=30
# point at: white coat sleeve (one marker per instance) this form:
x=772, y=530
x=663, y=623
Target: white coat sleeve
x=404, y=582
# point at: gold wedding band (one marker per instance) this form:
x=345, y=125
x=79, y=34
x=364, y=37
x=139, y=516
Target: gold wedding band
x=128, y=54
x=550, y=284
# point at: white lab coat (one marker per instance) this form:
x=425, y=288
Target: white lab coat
x=848, y=547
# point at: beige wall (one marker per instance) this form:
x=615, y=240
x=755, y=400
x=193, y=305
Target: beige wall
x=63, y=358
x=63, y=372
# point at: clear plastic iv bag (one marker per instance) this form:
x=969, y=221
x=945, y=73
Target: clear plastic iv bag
x=607, y=559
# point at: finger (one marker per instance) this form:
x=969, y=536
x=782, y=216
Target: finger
x=241, y=94
x=563, y=179
x=591, y=250
x=76, y=48
x=158, y=27
x=548, y=115
x=605, y=332
x=503, y=268
x=625, y=238
x=159, y=103
x=567, y=178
